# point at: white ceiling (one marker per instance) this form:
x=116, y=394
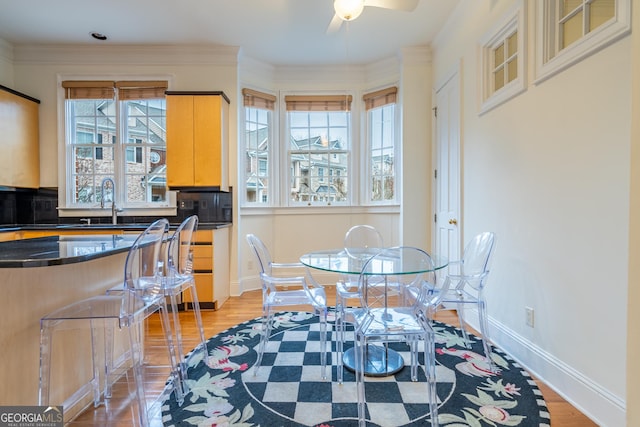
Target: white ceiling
x=279, y=32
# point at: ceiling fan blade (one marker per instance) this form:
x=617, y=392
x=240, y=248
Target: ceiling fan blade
x=404, y=5
x=334, y=25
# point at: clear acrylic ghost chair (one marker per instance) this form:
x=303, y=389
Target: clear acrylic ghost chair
x=178, y=279
x=386, y=318
x=276, y=293
x=360, y=242
x=468, y=283
x=104, y=314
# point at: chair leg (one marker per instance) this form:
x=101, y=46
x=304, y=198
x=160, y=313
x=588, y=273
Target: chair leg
x=430, y=371
x=267, y=320
x=323, y=341
x=176, y=375
x=109, y=336
x=339, y=341
x=413, y=346
x=360, y=344
x=45, y=363
x=136, y=345
x=177, y=330
x=198, y=317
x=463, y=325
x=484, y=330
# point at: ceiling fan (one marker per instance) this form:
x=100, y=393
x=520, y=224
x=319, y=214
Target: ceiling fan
x=348, y=10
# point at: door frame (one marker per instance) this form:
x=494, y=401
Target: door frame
x=453, y=75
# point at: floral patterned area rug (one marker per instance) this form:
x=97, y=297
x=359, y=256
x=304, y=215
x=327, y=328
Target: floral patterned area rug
x=288, y=389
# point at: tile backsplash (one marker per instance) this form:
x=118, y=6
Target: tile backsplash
x=18, y=206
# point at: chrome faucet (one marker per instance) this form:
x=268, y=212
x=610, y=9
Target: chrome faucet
x=114, y=209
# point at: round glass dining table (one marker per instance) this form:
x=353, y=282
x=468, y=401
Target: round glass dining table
x=350, y=261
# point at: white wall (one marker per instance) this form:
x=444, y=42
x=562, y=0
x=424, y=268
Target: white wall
x=6, y=64
x=549, y=172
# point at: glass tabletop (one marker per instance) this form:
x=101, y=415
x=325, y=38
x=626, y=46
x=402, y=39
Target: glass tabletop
x=351, y=261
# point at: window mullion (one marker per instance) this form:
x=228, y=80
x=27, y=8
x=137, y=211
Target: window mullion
x=586, y=18
x=119, y=154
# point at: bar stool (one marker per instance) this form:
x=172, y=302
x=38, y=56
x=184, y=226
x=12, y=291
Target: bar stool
x=178, y=279
x=103, y=314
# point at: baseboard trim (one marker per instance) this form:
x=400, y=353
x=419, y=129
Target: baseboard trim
x=599, y=404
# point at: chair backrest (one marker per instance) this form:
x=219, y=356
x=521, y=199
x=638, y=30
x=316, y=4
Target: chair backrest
x=179, y=252
x=476, y=259
x=261, y=252
x=142, y=275
x=388, y=275
x=363, y=236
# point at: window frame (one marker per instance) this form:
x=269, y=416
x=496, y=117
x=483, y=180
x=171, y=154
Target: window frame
x=515, y=20
x=550, y=60
x=255, y=99
x=285, y=152
x=366, y=197
x=280, y=173
x=67, y=208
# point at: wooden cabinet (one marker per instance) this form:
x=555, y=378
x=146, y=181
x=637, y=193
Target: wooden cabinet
x=7, y=236
x=31, y=234
x=210, y=268
x=19, y=143
x=197, y=140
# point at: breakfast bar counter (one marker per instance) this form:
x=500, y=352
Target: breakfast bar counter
x=59, y=250
x=40, y=275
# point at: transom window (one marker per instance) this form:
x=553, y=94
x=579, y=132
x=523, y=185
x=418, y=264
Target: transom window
x=115, y=130
x=505, y=65
x=570, y=30
x=577, y=18
x=504, y=59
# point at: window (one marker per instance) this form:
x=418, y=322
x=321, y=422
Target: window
x=312, y=163
x=257, y=135
x=318, y=140
x=129, y=120
x=99, y=149
x=85, y=138
x=381, y=138
x=570, y=30
x=503, y=59
x=134, y=154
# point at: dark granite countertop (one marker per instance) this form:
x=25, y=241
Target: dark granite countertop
x=59, y=250
x=88, y=227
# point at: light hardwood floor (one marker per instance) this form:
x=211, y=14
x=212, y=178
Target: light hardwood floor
x=236, y=310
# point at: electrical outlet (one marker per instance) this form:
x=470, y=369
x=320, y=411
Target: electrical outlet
x=530, y=318
x=249, y=265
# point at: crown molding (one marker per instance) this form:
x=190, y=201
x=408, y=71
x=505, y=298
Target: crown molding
x=415, y=55
x=253, y=70
x=127, y=54
x=383, y=70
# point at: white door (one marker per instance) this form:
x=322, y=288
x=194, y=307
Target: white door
x=447, y=169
